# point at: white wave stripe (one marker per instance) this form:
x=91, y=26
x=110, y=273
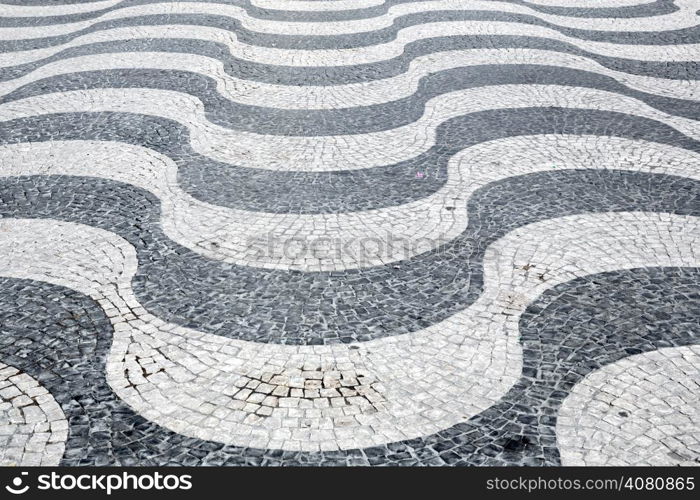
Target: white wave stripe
x=643, y=411
x=34, y=428
x=331, y=153
x=350, y=95
x=425, y=381
x=354, y=56
x=54, y=10
x=358, y=239
x=683, y=18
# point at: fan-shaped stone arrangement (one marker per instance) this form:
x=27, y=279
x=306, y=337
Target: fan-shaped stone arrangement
x=267, y=232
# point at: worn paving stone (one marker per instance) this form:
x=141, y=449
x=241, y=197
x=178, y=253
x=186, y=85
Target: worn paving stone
x=254, y=232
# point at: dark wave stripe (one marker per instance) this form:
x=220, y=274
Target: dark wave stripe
x=334, y=75
x=354, y=40
x=292, y=307
x=61, y=338
x=336, y=191
x=657, y=8
x=357, y=120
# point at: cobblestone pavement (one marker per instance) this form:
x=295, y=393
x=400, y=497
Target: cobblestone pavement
x=349, y=232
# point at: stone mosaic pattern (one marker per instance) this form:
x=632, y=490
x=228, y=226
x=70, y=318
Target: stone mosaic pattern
x=380, y=232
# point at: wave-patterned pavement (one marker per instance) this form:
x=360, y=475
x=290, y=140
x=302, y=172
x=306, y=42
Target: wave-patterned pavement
x=369, y=232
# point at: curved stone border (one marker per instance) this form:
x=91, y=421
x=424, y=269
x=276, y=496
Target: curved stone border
x=125, y=69
x=333, y=10
x=292, y=153
x=242, y=302
x=291, y=397
x=331, y=192
x=327, y=242
x=448, y=10
x=354, y=73
x=220, y=111
x=364, y=55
